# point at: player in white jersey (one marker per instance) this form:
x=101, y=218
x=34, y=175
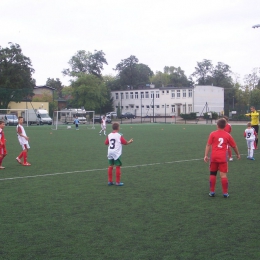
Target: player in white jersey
x=251, y=136
x=24, y=142
x=103, y=125
x=115, y=140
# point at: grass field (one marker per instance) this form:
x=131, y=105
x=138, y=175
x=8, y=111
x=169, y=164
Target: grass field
x=62, y=208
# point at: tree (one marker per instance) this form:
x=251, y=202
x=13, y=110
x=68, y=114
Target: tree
x=203, y=72
x=86, y=62
x=56, y=84
x=131, y=73
x=16, y=82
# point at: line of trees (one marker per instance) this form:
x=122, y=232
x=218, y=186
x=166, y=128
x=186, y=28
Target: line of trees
x=90, y=89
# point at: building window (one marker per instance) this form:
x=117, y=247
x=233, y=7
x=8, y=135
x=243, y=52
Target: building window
x=167, y=106
x=131, y=95
x=152, y=94
x=122, y=95
x=147, y=106
x=157, y=106
x=142, y=94
x=162, y=106
x=178, y=93
x=146, y=94
x=157, y=95
x=117, y=95
x=126, y=107
x=190, y=92
x=163, y=92
x=142, y=106
x=184, y=93
x=167, y=92
x=132, y=106
x=190, y=108
x=173, y=93
x=173, y=108
x=137, y=107
x=126, y=95
x=136, y=95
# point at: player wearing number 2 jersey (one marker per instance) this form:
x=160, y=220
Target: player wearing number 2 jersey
x=115, y=140
x=219, y=141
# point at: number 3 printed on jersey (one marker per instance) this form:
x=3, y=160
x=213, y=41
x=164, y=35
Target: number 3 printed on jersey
x=112, y=143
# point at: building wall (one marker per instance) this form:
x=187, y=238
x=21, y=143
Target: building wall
x=168, y=101
x=28, y=105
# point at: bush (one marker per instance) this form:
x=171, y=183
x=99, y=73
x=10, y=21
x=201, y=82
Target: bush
x=190, y=116
x=214, y=115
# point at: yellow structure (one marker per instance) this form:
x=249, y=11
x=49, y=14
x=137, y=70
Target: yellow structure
x=28, y=105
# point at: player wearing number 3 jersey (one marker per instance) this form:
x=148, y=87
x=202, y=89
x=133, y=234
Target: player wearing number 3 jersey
x=218, y=142
x=115, y=140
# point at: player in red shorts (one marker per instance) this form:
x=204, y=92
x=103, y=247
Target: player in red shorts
x=3, y=151
x=219, y=141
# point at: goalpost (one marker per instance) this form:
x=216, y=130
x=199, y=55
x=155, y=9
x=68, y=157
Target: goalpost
x=10, y=116
x=64, y=120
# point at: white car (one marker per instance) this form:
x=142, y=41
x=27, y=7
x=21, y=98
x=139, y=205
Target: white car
x=112, y=114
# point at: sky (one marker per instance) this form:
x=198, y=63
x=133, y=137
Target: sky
x=159, y=33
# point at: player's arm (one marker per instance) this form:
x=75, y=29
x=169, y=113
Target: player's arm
x=19, y=132
x=125, y=142
x=107, y=141
x=207, y=149
x=237, y=152
x=249, y=114
x=232, y=143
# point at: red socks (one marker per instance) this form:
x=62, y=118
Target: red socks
x=118, y=174
x=110, y=173
x=20, y=155
x=24, y=156
x=224, y=182
x=212, y=182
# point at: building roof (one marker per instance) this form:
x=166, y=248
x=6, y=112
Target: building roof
x=39, y=87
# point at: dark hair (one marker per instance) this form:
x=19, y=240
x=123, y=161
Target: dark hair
x=20, y=117
x=115, y=126
x=1, y=122
x=221, y=123
x=225, y=117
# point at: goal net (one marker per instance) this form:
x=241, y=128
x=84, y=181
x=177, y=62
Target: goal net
x=64, y=119
x=10, y=116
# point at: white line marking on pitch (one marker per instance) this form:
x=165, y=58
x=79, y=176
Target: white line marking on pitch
x=94, y=170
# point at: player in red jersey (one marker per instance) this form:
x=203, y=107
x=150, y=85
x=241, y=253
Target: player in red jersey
x=228, y=129
x=219, y=141
x=3, y=151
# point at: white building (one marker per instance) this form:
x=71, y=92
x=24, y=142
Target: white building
x=169, y=101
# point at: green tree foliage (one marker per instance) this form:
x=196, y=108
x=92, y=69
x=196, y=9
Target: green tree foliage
x=86, y=62
x=131, y=73
x=56, y=84
x=16, y=82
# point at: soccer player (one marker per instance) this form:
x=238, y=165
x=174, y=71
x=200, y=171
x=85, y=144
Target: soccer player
x=24, y=142
x=76, y=122
x=218, y=142
x=3, y=151
x=115, y=140
x=250, y=135
x=254, y=121
x=228, y=129
x=103, y=125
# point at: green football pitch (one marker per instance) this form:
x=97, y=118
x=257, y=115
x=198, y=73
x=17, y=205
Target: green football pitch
x=61, y=206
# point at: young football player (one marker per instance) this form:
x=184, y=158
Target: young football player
x=250, y=135
x=218, y=143
x=3, y=151
x=103, y=125
x=115, y=140
x=24, y=142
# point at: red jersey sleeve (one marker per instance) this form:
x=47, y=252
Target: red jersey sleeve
x=19, y=130
x=232, y=142
x=107, y=141
x=244, y=134
x=122, y=139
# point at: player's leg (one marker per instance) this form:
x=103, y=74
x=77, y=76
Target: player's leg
x=248, y=149
x=230, y=154
x=256, y=127
x=223, y=169
x=101, y=130
x=252, y=147
x=212, y=178
x=110, y=172
x=104, y=130
x=118, y=164
x=26, y=148
x=1, y=157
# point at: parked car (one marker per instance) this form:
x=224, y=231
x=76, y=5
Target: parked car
x=127, y=115
x=9, y=119
x=97, y=119
x=112, y=114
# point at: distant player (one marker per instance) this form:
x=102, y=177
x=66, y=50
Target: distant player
x=24, y=142
x=218, y=142
x=103, y=125
x=3, y=151
x=250, y=135
x=228, y=129
x=115, y=140
x=254, y=115
x=76, y=122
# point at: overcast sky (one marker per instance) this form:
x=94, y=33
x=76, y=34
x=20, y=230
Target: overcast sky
x=159, y=33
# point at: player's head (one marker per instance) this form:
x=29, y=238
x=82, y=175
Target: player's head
x=2, y=124
x=20, y=119
x=252, y=108
x=115, y=126
x=104, y=117
x=248, y=124
x=221, y=123
x=226, y=118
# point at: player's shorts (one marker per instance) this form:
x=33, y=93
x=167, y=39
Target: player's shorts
x=103, y=127
x=25, y=146
x=250, y=144
x=218, y=166
x=115, y=162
